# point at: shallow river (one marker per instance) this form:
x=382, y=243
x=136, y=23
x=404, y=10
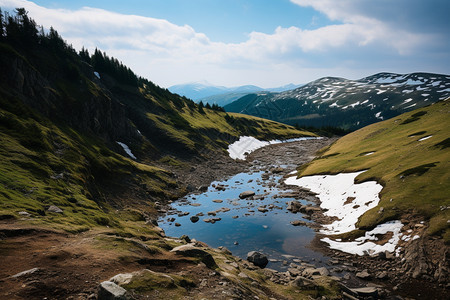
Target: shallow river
x=242, y=228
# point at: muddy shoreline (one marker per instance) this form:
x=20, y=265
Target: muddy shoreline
x=388, y=274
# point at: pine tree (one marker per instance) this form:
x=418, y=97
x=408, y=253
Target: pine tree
x=2, y=30
x=84, y=55
x=200, y=107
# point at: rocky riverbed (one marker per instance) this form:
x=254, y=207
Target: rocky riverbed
x=412, y=274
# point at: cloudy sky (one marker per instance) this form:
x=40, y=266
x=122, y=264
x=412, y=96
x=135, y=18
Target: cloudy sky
x=263, y=42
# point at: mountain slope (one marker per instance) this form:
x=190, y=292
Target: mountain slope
x=220, y=95
x=349, y=104
x=409, y=155
x=83, y=133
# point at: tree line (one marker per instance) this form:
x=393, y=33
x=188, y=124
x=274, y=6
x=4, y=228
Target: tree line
x=20, y=31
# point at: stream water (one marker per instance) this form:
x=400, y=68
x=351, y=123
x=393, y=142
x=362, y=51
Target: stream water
x=242, y=227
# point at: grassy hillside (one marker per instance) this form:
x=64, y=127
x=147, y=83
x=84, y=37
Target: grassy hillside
x=415, y=173
x=61, y=116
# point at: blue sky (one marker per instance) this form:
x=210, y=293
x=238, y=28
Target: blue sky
x=262, y=42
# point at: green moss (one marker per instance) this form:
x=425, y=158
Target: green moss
x=414, y=174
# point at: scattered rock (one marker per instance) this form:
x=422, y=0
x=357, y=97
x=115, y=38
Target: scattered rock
x=246, y=194
x=363, y=274
x=194, y=219
x=294, y=206
x=262, y=209
x=382, y=275
x=308, y=272
x=312, y=209
x=24, y=213
x=177, y=224
x=258, y=259
x=185, y=238
x=110, y=291
x=276, y=170
x=26, y=273
x=303, y=283
x=366, y=292
x=217, y=201
x=389, y=255
x=299, y=223
x=294, y=272
x=55, y=209
x=192, y=251
x=224, y=250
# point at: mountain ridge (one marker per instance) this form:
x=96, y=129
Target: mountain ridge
x=209, y=93
x=349, y=104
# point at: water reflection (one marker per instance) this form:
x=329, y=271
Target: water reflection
x=242, y=228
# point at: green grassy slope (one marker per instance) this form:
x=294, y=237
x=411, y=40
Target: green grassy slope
x=59, y=124
x=415, y=174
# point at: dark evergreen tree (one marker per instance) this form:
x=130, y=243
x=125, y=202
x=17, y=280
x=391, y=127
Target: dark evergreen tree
x=200, y=107
x=84, y=55
x=2, y=30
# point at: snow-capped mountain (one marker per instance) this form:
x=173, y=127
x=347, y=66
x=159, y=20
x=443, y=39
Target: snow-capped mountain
x=344, y=103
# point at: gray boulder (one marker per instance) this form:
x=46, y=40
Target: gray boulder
x=363, y=274
x=258, y=259
x=192, y=251
x=55, y=209
x=246, y=194
x=110, y=291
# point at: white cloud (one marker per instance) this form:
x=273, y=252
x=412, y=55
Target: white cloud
x=368, y=23
x=169, y=53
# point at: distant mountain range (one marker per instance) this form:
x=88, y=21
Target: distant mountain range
x=349, y=104
x=221, y=95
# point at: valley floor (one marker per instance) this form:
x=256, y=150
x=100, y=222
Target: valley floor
x=66, y=266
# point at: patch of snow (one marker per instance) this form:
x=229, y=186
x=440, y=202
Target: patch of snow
x=370, y=153
x=413, y=82
x=425, y=95
x=412, y=105
x=380, y=91
x=386, y=80
x=378, y=115
x=435, y=83
x=334, y=190
x=407, y=91
x=126, y=149
x=362, y=245
x=415, y=237
x=354, y=104
x=365, y=101
x=424, y=138
x=247, y=144
x=97, y=75
x=407, y=100
x=444, y=91
x=334, y=105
